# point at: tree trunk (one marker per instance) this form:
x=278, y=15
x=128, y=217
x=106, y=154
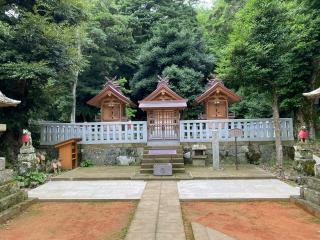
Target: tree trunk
x=75, y=81
x=277, y=130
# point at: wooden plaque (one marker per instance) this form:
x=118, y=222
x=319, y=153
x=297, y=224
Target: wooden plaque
x=235, y=132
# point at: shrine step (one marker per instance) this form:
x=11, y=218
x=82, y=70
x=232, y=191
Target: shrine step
x=150, y=171
x=162, y=160
x=12, y=200
x=156, y=143
x=155, y=156
x=178, y=150
x=9, y=188
x=150, y=165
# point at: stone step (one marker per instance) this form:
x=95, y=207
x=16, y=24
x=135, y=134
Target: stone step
x=178, y=151
x=9, y=188
x=150, y=165
x=311, y=196
x=313, y=183
x=150, y=171
x=16, y=209
x=12, y=200
x=163, y=160
x=201, y=232
x=169, y=156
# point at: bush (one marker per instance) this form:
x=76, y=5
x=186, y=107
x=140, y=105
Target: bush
x=86, y=163
x=31, y=179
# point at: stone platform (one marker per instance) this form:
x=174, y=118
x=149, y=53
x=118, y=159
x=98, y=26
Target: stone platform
x=132, y=173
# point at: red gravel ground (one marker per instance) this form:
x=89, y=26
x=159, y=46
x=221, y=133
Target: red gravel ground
x=254, y=220
x=76, y=221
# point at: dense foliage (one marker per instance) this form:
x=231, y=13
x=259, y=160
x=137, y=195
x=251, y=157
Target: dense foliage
x=54, y=55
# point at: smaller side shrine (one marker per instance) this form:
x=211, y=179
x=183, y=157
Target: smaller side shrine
x=112, y=102
x=216, y=100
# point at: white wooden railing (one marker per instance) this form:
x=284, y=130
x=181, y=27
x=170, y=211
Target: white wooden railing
x=94, y=132
x=253, y=129
x=136, y=131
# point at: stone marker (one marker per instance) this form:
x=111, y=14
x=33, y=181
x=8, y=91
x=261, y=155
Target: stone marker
x=215, y=150
x=2, y=163
x=3, y=127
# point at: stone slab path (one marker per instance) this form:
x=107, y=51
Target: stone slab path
x=89, y=190
x=235, y=189
x=158, y=215
x=201, y=232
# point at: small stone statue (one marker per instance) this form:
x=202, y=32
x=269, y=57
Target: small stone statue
x=26, y=138
x=303, y=134
x=56, y=165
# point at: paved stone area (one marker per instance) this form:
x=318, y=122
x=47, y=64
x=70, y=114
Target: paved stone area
x=235, y=189
x=158, y=215
x=132, y=172
x=246, y=171
x=99, y=173
x=89, y=190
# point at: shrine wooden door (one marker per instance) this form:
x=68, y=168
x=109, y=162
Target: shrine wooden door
x=163, y=124
x=217, y=109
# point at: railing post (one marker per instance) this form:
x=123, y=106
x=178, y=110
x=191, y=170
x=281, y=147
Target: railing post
x=215, y=150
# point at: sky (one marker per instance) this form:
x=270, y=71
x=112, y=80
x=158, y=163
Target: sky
x=206, y=3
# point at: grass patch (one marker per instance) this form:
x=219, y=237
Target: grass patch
x=123, y=232
x=187, y=225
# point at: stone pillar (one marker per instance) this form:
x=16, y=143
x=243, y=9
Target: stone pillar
x=215, y=150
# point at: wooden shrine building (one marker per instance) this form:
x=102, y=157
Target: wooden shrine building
x=163, y=108
x=112, y=102
x=216, y=100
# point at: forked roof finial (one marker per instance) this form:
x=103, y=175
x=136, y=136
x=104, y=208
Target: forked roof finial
x=112, y=82
x=163, y=80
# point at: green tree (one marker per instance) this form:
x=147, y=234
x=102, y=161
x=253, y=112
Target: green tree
x=178, y=52
x=110, y=52
x=259, y=56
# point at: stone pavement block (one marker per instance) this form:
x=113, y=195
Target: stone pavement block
x=170, y=236
x=166, y=223
x=235, y=189
x=91, y=190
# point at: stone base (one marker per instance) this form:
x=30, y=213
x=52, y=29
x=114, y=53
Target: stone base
x=199, y=162
x=27, y=150
x=26, y=162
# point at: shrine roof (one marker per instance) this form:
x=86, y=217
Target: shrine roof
x=7, y=102
x=110, y=88
x=217, y=86
x=313, y=94
x=153, y=100
x=163, y=104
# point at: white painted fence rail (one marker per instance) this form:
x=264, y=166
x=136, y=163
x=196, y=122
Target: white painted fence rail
x=253, y=129
x=94, y=132
x=136, y=131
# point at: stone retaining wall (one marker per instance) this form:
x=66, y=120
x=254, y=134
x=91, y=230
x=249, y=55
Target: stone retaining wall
x=114, y=154
x=248, y=152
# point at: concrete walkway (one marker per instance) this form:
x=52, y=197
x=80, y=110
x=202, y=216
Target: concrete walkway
x=89, y=190
x=158, y=215
x=236, y=190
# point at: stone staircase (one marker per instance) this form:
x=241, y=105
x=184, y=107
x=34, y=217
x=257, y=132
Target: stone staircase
x=162, y=154
x=12, y=200
x=309, y=198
